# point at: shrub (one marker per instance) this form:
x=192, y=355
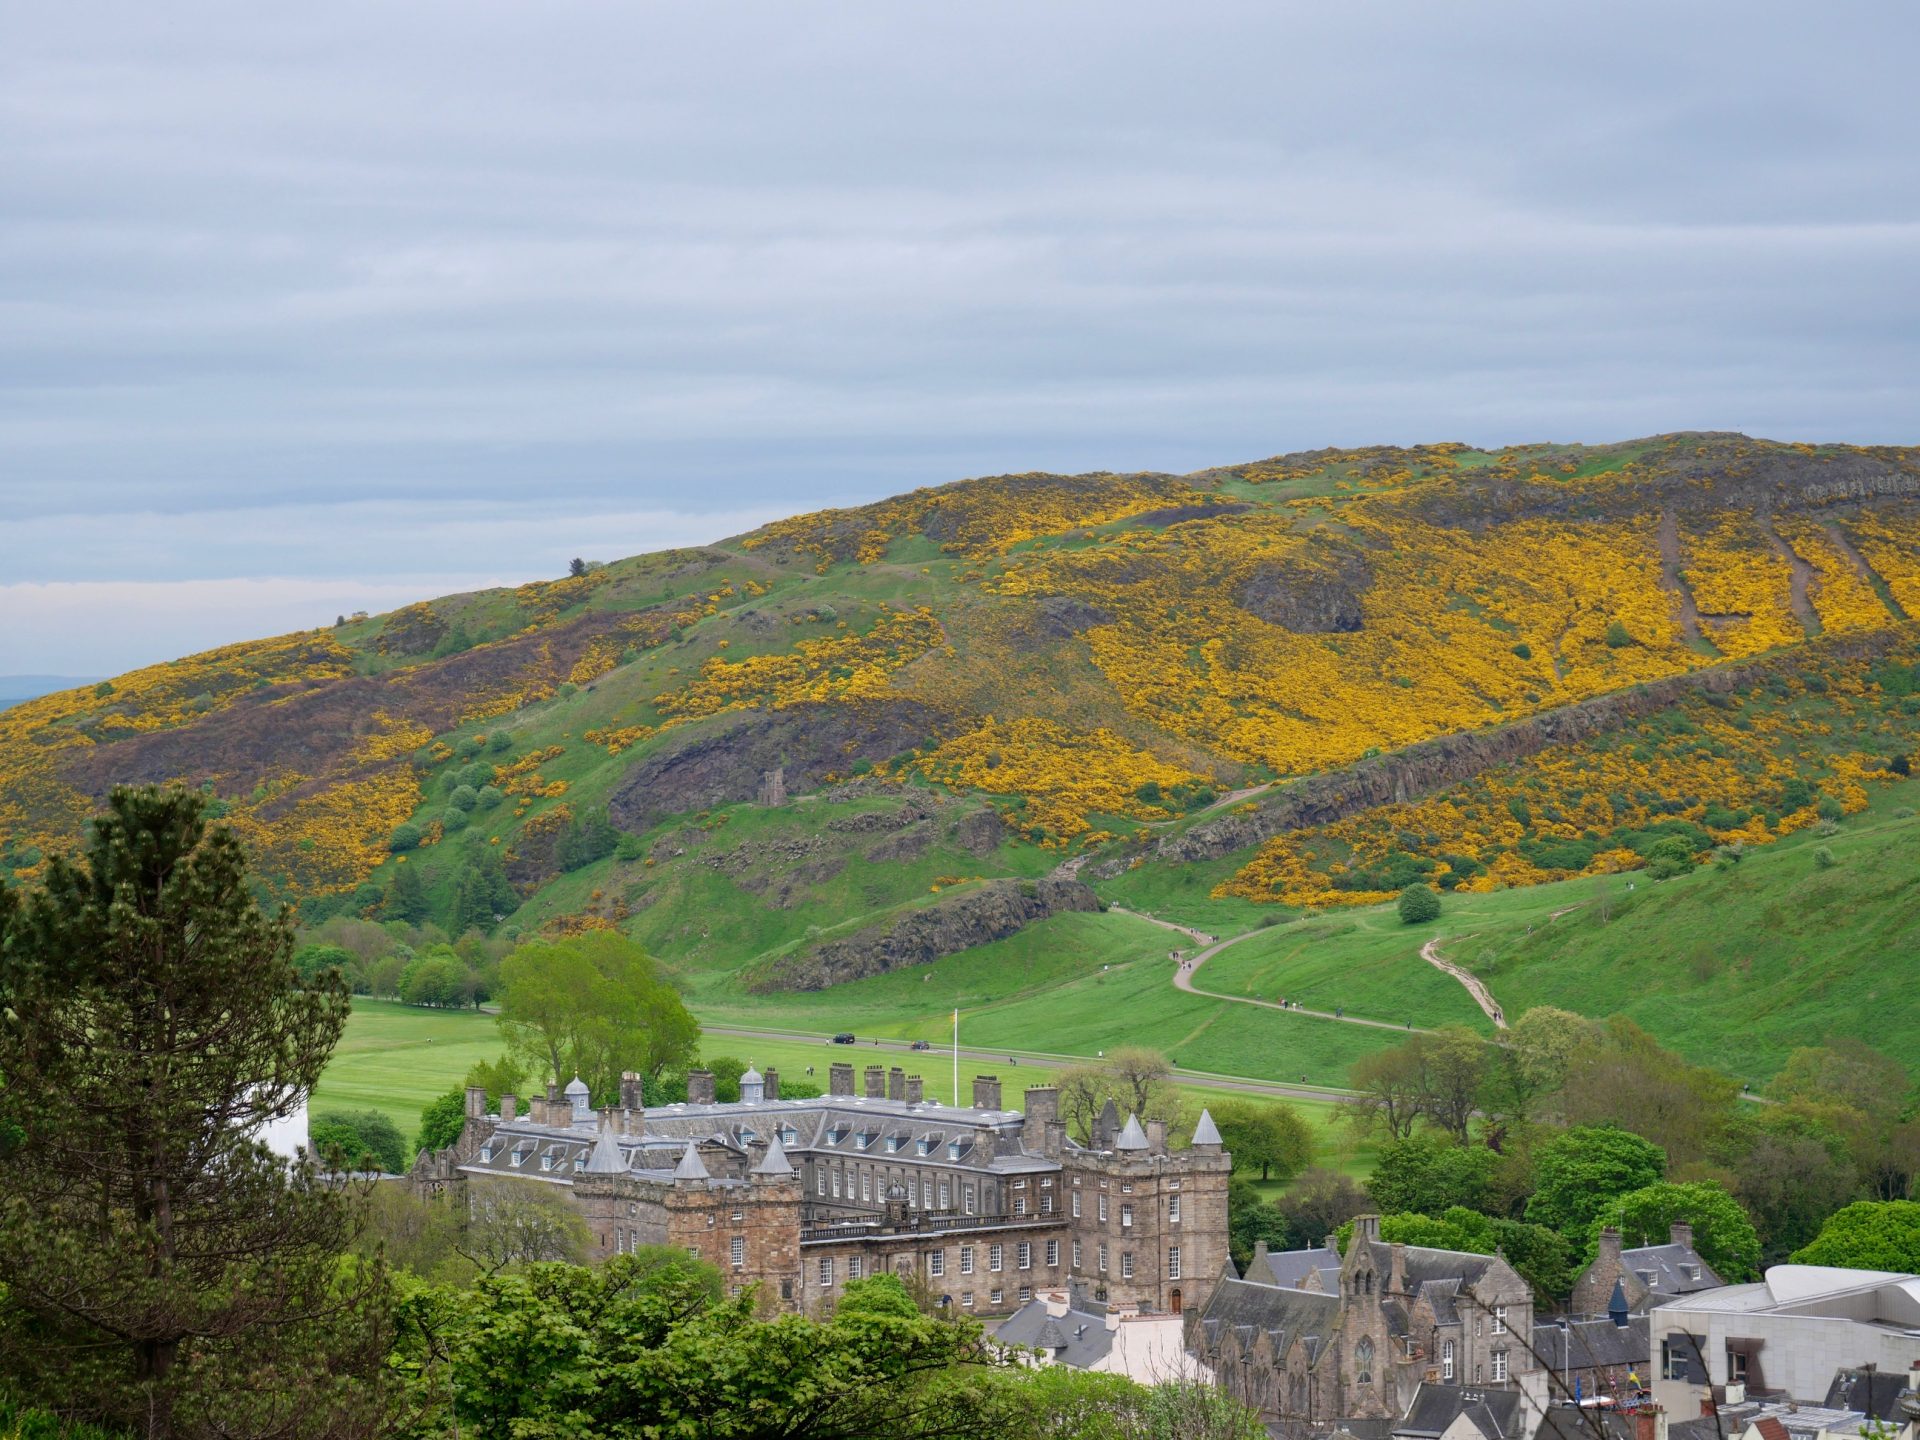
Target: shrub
x=1900, y=765
x=501, y=740
x=469, y=746
x=361, y=1140
x=405, y=837
x=1823, y=858
x=1829, y=808
x=1669, y=857
x=1523, y=650
x=1418, y=905
x=453, y=819
x=490, y=796
x=1618, y=636
x=464, y=797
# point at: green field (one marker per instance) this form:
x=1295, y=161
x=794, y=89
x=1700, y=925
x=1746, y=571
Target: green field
x=395, y=1058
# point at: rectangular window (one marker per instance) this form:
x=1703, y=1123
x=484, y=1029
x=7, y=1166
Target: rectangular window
x=1026, y=1293
x=693, y=1252
x=993, y=1258
x=826, y=1270
x=853, y=1267
x=1019, y=1204
x=1126, y=1217
x=1046, y=1203
x=1499, y=1319
x=1126, y=1189
x=1126, y=1264
x=1053, y=1252
x=966, y=1300
x=1103, y=1209
x=1673, y=1361
x=866, y=1186
x=1499, y=1367
x=820, y=1181
x=996, y=1297
x=1076, y=1254
x=937, y=1264
x=1736, y=1366
x=1173, y=1209
x=1023, y=1255
x=966, y=1198
x=1103, y=1257
x=1446, y=1362
x=1019, y=1184
x=1173, y=1262
x=836, y=1184
x=946, y=1194
x=737, y=1251
x=966, y=1259
x=1076, y=1204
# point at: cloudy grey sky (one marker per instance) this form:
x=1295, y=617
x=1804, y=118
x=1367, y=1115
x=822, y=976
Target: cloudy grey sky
x=305, y=309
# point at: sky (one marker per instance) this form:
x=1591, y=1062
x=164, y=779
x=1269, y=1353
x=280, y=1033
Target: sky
x=309, y=309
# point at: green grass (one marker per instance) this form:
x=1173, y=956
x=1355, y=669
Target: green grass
x=396, y=1058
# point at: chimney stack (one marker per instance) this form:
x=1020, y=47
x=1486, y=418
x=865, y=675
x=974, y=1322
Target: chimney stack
x=476, y=1102
x=509, y=1106
x=632, y=1094
x=1366, y=1227
x=876, y=1080
x=771, y=1090
x=1682, y=1233
x=986, y=1092
x=1156, y=1137
x=699, y=1087
x=916, y=1090
x=896, y=1084
x=840, y=1078
x=1043, y=1108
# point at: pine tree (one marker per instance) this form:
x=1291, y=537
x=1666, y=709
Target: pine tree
x=162, y=1270
x=406, y=896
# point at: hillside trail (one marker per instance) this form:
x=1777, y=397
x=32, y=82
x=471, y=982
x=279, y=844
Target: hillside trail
x=1212, y=945
x=1430, y=952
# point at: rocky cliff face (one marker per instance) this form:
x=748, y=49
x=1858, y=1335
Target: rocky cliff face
x=721, y=763
x=944, y=928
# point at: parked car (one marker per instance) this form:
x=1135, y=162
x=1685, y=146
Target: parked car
x=921, y=1045
x=845, y=1037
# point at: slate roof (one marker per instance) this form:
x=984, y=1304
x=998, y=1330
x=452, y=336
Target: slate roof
x=1079, y=1338
x=690, y=1167
x=1248, y=1308
x=1670, y=1269
x=1590, y=1422
x=1872, y=1392
x=1131, y=1136
x=1206, y=1132
x=1290, y=1267
x=607, y=1157
x=1497, y=1413
x=775, y=1160
x=1592, y=1344
x=1424, y=1264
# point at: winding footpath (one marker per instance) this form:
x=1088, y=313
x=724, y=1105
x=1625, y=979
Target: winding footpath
x=1430, y=952
x=1184, y=973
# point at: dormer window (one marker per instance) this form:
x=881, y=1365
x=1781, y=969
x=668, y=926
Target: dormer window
x=953, y=1150
x=486, y=1154
x=546, y=1162
x=894, y=1142
x=789, y=1135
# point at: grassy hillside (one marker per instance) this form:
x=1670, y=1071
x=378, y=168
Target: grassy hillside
x=1279, y=688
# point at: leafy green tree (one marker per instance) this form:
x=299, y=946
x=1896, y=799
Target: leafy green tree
x=1251, y=1219
x=1722, y=1231
x=1669, y=857
x=314, y=960
x=1265, y=1135
x=1316, y=1204
x=464, y=797
x=406, y=836
x=482, y=892
x=727, y=1070
x=358, y=1140
x=406, y=897
x=1628, y=1079
x=442, y=1120
x=1580, y=1171
x=1453, y=1068
x=162, y=1270
x=1791, y=1170
x=1618, y=636
x=589, y=838
x=1868, y=1235
x=1419, y=904
x=593, y=1005
x=1427, y=1173
x=1542, y=1256
x=435, y=978
x=1389, y=1091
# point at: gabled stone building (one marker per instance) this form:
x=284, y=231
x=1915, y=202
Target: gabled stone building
x=983, y=1206
x=1356, y=1342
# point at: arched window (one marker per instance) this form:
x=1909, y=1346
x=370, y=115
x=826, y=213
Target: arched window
x=1363, y=1361
x=1446, y=1363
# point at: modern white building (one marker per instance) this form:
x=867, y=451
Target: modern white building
x=1147, y=1347
x=1788, y=1336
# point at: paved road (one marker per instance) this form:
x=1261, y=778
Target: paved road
x=1239, y=1084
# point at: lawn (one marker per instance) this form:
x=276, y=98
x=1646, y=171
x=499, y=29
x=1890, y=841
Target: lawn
x=395, y=1058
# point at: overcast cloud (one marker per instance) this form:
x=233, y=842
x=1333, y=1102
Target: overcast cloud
x=312, y=309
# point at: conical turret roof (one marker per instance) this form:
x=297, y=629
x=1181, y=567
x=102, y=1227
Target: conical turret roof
x=690, y=1166
x=1131, y=1136
x=774, y=1162
x=607, y=1157
x=1206, y=1132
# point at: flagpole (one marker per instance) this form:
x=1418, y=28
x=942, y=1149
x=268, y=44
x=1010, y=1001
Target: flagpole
x=956, y=1055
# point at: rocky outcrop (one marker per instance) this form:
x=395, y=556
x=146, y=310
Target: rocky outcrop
x=1057, y=617
x=1446, y=760
x=1317, y=593
x=1177, y=514
x=720, y=762
x=945, y=927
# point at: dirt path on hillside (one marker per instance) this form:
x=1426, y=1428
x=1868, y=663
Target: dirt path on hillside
x=1670, y=579
x=1861, y=568
x=1430, y=952
x=1803, y=576
x=1212, y=945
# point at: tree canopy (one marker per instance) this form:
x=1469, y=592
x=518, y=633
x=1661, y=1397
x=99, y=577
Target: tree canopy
x=1577, y=1172
x=1868, y=1235
x=1267, y=1136
x=1722, y=1231
x=592, y=1005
